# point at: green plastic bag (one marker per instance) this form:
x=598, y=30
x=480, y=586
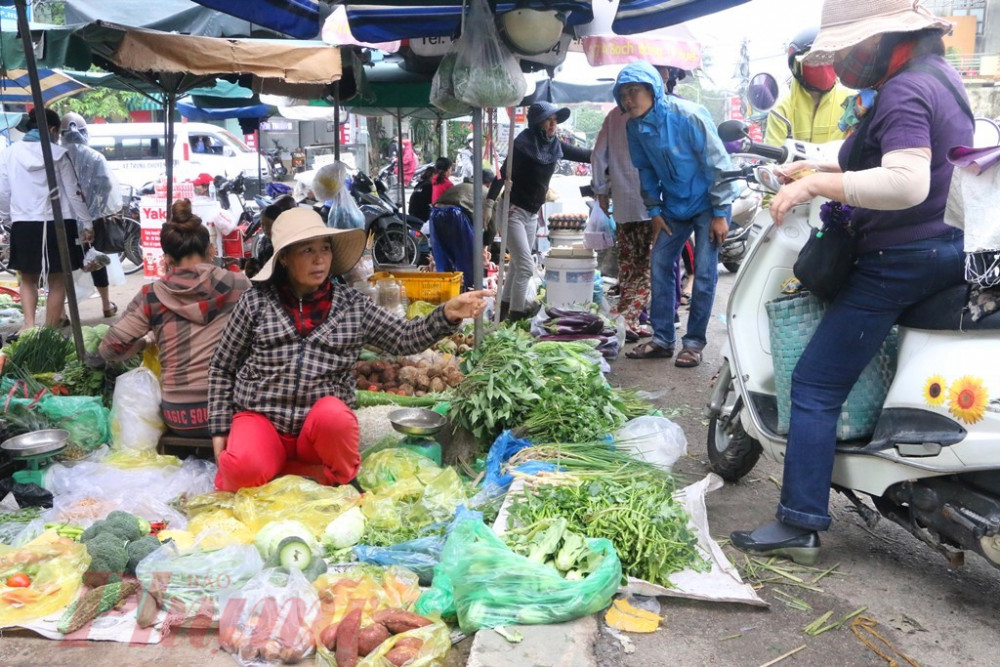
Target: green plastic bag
x=85, y=417
x=485, y=584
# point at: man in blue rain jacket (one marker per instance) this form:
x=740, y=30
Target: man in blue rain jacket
x=677, y=150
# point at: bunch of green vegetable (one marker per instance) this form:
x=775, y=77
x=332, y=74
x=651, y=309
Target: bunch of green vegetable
x=40, y=350
x=649, y=529
x=550, y=541
x=116, y=545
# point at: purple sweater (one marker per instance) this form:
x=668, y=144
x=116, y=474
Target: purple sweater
x=914, y=110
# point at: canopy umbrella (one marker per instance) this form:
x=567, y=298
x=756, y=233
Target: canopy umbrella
x=180, y=16
x=15, y=86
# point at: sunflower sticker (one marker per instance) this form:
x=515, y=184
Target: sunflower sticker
x=967, y=399
x=935, y=390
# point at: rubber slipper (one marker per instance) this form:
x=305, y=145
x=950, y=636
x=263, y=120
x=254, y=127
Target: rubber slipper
x=110, y=312
x=685, y=299
x=688, y=358
x=650, y=350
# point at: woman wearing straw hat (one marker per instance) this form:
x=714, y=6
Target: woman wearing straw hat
x=893, y=170
x=280, y=384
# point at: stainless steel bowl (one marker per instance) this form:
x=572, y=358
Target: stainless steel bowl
x=417, y=421
x=36, y=442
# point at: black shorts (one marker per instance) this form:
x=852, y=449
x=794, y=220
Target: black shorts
x=26, y=247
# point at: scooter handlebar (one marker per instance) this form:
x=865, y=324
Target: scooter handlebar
x=777, y=153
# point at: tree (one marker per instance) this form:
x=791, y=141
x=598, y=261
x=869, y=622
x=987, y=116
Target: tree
x=49, y=11
x=103, y=103
x=588, y=119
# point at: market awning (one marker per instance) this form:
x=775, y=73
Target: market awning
x=301, y=19
x=181, y=16
x=15, y=86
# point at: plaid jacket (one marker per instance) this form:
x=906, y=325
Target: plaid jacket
x=262, y=364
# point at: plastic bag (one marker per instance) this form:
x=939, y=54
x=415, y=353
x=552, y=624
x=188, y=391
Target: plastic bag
x=656, y=440
x=116, y=272
x=419, y=555
x=313, y=504
x=486, y=73
x=94, y=260
x=486, y=584
x=389, y=467
x=85, y=417
x=191, y=584
x=83, y=284
x=436, y=640
x=329, y=185
x=270, y=619
x=443, y=88
x=135, y=416
x=599, y=233
x=56, y=570
x=219, y=528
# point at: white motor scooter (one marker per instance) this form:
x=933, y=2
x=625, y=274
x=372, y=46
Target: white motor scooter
x=933, y=462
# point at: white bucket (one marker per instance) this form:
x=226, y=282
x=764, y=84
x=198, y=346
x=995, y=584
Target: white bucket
x=565, y=238
x=569, y=280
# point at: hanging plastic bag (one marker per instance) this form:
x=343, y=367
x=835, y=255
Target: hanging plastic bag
x=656, y=440
x=83, y=284
x=443, y=88
x=135, y=416
x=270, y=619
x=116, y=272
x=599, y=233
x=330, y=185
x=486, y=74
x=94, y=260
x=485, y=584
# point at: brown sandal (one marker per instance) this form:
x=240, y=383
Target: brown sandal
x=650, y=350
x=112, y=311
x=688, y=358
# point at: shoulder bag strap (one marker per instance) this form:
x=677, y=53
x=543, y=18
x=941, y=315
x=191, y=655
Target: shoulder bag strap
x=949, y=86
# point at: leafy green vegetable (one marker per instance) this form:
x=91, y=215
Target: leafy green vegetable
x=346, y=530
x=40, y=350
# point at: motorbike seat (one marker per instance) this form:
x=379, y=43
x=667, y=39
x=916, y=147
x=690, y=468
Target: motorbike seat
x=946, y=311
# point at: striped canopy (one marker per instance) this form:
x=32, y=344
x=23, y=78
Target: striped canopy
x=15, y=88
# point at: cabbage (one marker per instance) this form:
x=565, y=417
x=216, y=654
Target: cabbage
x=346, y=530
x=270, y=536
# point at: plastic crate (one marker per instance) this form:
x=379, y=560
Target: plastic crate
x=426, y=285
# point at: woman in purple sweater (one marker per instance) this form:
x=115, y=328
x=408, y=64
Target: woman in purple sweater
x=893, y=170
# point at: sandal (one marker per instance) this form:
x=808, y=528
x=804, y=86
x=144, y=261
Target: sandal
x=110, y=312
x=631, y=336
x=685, y=299
x=688, y=358
x=650, y=350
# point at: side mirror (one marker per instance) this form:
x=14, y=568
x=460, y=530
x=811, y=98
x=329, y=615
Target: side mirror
x=763, y=91
x=732, y=130
x=986, y=134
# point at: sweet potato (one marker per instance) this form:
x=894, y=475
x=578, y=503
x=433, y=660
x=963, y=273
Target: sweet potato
x=371, y=637
x=347, y=639
x=409, y=642
x=329, y=636
x=400, y=620
x=401, y=656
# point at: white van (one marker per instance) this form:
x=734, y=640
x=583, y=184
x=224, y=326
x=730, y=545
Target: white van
x=136, y=151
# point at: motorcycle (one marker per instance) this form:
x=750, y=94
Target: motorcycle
x=238, y=245
x=389, y=174
x=743, y=229
x=397, y=239
x=933, y=471
x=279, y=171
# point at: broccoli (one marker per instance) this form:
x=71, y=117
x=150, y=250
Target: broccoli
x=139, y=549
x=96, y=528
x=124, y=525
x=107, y=553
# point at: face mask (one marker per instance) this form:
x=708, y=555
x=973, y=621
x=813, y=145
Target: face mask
x=865, y=65
x=819, y=78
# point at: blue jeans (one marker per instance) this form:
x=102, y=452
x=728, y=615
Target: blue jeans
x=666, y=252
x=881, y=285
x=451, y=241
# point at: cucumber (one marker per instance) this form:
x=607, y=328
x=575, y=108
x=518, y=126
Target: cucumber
x=293, y=552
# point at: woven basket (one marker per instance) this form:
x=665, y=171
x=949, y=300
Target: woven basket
x=793, y=321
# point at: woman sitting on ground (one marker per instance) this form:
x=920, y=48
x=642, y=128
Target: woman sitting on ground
x=184, y=315
x=280, y=383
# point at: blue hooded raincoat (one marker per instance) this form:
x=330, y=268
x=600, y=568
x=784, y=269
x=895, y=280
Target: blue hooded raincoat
x=677, y=151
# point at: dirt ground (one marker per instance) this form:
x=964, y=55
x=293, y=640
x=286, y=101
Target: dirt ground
x=925, y=610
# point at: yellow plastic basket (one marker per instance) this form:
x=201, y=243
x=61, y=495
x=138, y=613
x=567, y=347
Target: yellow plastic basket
x=426, y=286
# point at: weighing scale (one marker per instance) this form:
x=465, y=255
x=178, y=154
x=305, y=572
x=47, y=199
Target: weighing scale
x=419, y=426
x=37, y=450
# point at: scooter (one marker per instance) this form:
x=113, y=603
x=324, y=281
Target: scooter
x=279, y=171
x=932, y=464
x=743, y=229
x=396, y=239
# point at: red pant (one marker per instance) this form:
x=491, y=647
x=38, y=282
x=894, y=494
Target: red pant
x=327, y=449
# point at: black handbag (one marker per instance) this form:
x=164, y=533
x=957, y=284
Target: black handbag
x=825, y=260
x=109, y=235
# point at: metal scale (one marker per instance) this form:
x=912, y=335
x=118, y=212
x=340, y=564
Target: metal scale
x=37, y=450
x=419, y=426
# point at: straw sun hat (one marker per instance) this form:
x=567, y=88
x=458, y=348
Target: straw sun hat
x=849, y=22
x=303, y=224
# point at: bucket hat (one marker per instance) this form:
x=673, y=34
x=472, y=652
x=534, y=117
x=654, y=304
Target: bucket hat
x=846, y=23
x=540, y=111
x=303, y=224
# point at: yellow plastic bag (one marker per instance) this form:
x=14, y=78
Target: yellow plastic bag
x=395, y=466
x=151, y=359
x=219, y=528
x=144, y=458
x=210, y=502
x=295, y=497
x=54, y=564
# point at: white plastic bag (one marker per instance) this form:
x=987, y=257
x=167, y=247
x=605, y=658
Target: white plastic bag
x=269, y=619
x=116, y=273
x=486, y=74
x=94, y=259
x=136, y=423
x=443, y=94
x=83, y=284
x=656, y=440
x=598, y=235
x=330, y=184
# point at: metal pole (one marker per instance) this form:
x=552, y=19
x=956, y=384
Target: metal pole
x=477, y=213
x=504, y=208
x=336, y=119
x=399, y=160
x=169, y=100
x=50, y=175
